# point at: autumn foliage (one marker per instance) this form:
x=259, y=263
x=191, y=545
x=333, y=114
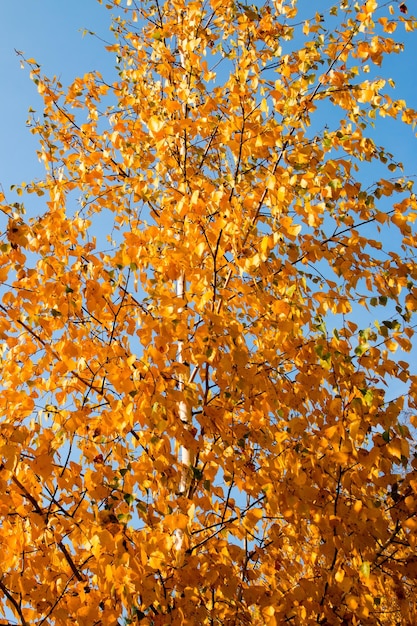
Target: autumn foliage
x=207, y=406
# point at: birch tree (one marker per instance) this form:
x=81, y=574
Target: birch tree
x=207, y=394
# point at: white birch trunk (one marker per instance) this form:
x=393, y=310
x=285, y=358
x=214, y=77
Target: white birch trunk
x=184, y=414
x=184, y=455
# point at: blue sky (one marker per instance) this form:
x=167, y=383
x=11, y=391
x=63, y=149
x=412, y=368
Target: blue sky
x=51, y=32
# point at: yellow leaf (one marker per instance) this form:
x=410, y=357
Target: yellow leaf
x=352, y=602
x=354, y=428
x=282, y=194
x=176, y=521
x=155, y=124
x=264, y=106
x=109, y=572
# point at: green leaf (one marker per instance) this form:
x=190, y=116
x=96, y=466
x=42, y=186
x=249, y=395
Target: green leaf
x=363, y=347
x=128, y=498
x=368, y=397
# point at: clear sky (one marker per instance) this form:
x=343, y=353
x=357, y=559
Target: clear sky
x=51, y=32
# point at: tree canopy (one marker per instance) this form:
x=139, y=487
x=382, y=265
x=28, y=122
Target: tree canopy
x=198, y=423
